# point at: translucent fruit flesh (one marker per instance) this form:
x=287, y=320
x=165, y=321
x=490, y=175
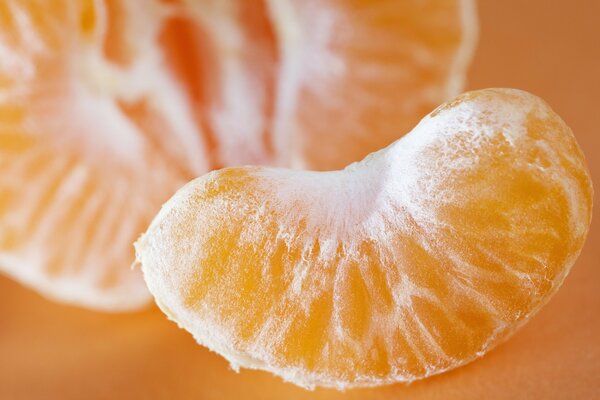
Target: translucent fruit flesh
x=418, y=259
x=108, y=106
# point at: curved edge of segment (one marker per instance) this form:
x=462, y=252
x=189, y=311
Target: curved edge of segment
x=73, y=293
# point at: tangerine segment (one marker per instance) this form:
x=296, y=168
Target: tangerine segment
x=94, y=135
x=355, y=74
x=418, y=259
x=94, y=94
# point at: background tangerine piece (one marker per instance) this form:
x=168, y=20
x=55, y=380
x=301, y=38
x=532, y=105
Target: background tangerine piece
x=418, y=259
x=300, y=82
x=108, y=106
x=357, y=74
x=93, y=136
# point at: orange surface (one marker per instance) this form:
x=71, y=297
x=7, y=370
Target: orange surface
x=50, y=351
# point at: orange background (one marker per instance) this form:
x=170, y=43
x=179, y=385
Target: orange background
x=550, y=48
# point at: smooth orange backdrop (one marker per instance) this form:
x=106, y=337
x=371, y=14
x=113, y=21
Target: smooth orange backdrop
x=550, y=48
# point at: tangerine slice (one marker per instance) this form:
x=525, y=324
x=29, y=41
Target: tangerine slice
x=355, y=74
x=418, y=259
x=94, y=135
x=107, y=106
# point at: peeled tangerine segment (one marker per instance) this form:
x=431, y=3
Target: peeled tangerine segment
x=108, y=106
x=89, y=147
x=97, y=128
x=418, y=259
x=354, y=74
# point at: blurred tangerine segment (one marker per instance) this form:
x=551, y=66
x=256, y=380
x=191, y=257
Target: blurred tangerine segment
x=108, y=106
x=418, y=259
x=355, y=75
x=95, y=133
